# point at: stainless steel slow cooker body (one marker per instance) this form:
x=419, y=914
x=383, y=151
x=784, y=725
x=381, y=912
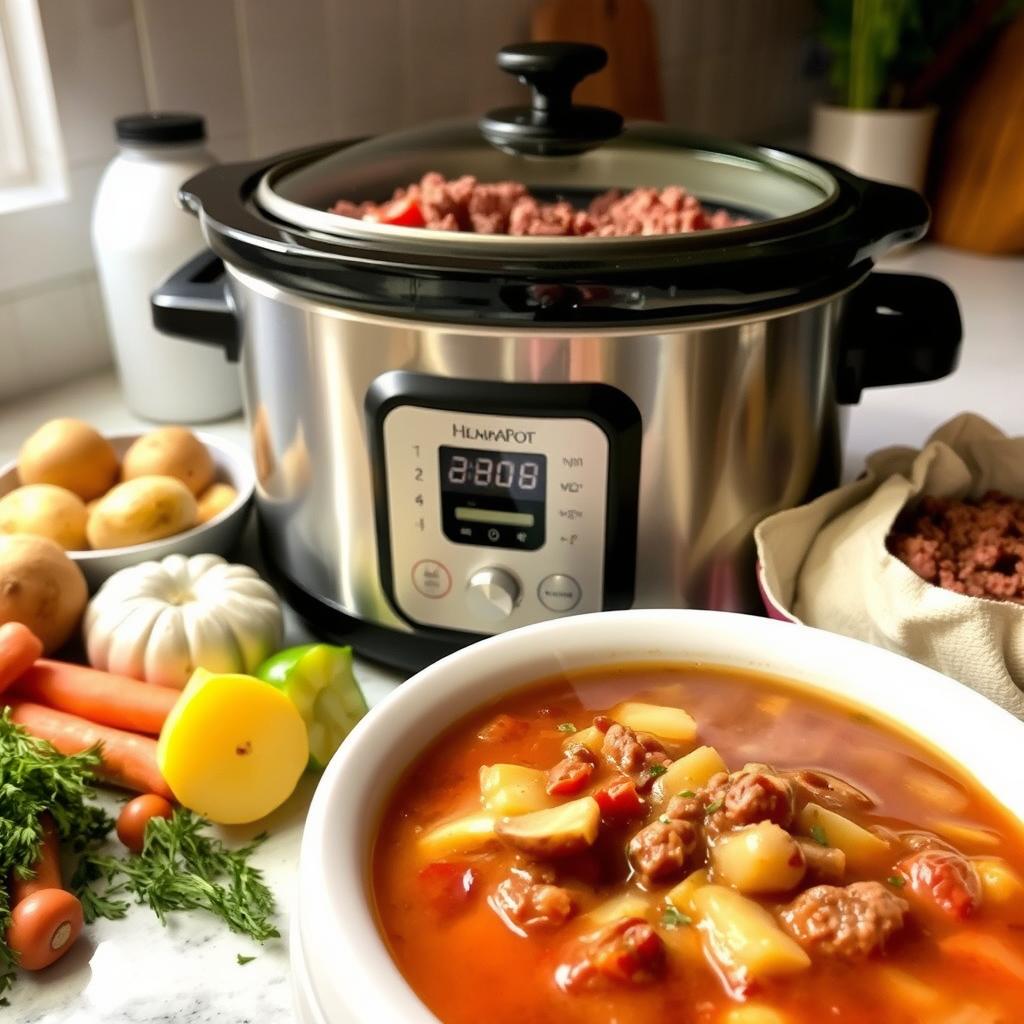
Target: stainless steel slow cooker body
x=458, y=435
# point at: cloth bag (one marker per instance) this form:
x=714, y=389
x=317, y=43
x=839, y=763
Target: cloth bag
x=825, y=564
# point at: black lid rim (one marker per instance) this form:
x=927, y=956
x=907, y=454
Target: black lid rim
x=656, y=281
x=160, y=126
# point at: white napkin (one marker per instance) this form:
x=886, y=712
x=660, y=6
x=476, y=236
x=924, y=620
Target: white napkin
x=826, y=564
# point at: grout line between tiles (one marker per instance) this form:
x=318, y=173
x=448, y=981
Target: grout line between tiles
x=245, y=69
x=145, y=54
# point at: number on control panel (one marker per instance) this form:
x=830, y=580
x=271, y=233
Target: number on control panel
x=458, y=469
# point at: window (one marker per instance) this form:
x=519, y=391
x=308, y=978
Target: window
x=32, y=169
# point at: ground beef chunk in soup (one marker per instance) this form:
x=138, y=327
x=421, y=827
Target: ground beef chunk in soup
x=633, y=754
x=507, y=208
x=747, y=797
x=626, y=952
x=572, y=773
x=685, y=808
x=824, y=863
x=943, y=879
x=530, y=905
x=845, y=922
x=658, y=851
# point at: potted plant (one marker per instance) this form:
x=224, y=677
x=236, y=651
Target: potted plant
x=887, y=62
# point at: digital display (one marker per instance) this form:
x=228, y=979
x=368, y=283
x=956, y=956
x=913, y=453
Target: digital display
x=513, y=475
x=493, y=499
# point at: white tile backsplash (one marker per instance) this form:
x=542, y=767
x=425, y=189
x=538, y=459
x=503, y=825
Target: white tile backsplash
x=269, y=75
x=49, y=242
x=369, y=82
x=63, y=317
x=97, y=71
x=286, y=56
x=191, y=50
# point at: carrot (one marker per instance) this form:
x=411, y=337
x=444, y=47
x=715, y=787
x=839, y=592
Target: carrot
x=985, y=950
x=129, y=760
x=98, y=696
x=19, y=648
x=47, y=874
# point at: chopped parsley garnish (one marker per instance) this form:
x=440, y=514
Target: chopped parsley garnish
x=243, y=960
x=654, y=770
x=896, y=881
x=818, y=835
x=711, y=808
x=687, y=793
x=567, y=727
x=672, y=918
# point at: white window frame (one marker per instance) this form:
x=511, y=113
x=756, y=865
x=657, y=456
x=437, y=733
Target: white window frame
x=33, y=171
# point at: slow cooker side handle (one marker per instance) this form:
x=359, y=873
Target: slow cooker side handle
x=897, y=329
x=194, y=303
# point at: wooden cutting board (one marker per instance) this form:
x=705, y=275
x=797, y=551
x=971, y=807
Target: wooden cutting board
x=979, y=201
x=631, y=83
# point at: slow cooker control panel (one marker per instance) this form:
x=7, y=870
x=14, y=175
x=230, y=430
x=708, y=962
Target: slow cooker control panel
x=494, y=521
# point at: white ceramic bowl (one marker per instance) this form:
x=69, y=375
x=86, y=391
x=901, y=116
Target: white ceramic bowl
x=216, y=537
x=341, y=969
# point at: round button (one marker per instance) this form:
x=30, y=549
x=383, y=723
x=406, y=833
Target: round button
x=559, y=593
x=430, y=578
x=492, y=593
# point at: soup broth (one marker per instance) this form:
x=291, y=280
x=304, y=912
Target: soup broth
x=839, y=870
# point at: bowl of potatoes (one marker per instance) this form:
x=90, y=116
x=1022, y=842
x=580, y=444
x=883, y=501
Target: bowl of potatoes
x=115, y=501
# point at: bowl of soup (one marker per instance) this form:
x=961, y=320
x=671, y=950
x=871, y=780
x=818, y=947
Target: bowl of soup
x=668, y=815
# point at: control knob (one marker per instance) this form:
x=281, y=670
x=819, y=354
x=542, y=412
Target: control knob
x=492, y=593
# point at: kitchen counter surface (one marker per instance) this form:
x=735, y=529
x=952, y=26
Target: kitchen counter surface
x=135, y=972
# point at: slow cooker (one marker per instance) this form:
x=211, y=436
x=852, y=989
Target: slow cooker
x=456, y=434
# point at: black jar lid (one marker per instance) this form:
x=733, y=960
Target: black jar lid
x=156, y=128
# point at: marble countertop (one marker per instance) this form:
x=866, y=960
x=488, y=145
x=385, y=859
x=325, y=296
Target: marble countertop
x=135, y=972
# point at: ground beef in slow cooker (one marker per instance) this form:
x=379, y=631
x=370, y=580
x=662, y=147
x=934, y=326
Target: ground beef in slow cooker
x=970, y=547
x=507, y=208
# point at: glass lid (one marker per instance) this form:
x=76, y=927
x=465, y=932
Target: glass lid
x=748, y=183
x=560, y=153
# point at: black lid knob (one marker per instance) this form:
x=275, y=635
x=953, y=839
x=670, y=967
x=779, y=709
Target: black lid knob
x=156, y=128
x=552, y=125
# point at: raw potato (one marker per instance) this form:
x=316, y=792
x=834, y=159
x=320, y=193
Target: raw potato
x=672, y=724
x=45, y=510
x=557, y=832
x=170, y=451
x=864, y=850
x=463, y=835
x=214, y=500
x=70, y=454
x=688, y=773
x=744, y=938
x=233, y=748
x=140, y=510
x=762, y=858
x=512, y=789
x=40, y=587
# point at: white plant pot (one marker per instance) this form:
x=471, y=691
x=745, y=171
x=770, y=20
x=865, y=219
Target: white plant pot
x=887, y=145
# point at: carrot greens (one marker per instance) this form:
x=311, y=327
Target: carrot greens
x=35, y=778
x=181, y=867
